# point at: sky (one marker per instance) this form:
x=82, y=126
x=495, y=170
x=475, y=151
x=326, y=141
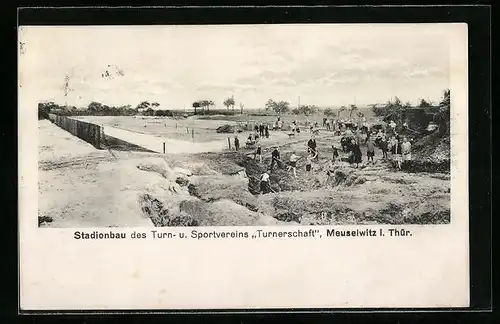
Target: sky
x=323, y=64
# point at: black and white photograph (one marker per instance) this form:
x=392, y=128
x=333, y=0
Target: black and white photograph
x=242, y=125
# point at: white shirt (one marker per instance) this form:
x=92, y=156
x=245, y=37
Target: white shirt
x=265, y=177
x=406, y=147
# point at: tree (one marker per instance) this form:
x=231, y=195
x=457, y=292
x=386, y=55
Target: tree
x=155, y=104
x=143, y=105
x=44, y=109
x=442, y=118
x=329, y=112
x=397, y=102
x=307, y=109
x=352, y=108
x=229, y=102
x=341, y=109
x=149, y=112
x=424, y=104
x=278, y=107
x=196, y=105
x=95, y=108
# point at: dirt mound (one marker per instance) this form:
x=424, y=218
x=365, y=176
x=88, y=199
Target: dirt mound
x=223, y=213
x=162, y=215
x=229, y=129
x=213, y=188
x=434, y=147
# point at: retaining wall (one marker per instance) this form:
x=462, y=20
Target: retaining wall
x=88, y=132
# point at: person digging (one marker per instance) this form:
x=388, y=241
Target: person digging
x=293, y=163
x=275, y=158
x=265, y=186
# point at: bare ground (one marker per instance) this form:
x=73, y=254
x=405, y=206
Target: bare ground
x=81, y=186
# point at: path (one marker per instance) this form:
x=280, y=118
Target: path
x=172, y=146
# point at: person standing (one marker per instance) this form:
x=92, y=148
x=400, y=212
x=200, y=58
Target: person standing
x=356, y=151
x=327, y=125
x=265, y=186
x=309, y=159
x=311, y=145
x=275, y=158
x=280, y=124
x=293, y=163
x=397, y=153
x=258, y=153
x=335, y=153
x=236, y=143
x=266, y=131
x=384, y=146
x=406, y=150
x=370, y=150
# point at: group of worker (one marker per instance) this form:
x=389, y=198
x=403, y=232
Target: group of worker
x=398, y=146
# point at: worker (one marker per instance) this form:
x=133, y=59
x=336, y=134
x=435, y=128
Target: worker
x=311, y=145
x=335, y=153
x=265, y=186
x=330, y=168
x=258, y=153
x=309, y=159
x=236, y=143
x=293, y=163
x=275, y=158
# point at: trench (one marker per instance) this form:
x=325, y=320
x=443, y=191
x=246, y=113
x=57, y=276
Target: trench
x=326, y=213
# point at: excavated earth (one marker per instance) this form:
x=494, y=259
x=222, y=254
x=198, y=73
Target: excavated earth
x=222, y=189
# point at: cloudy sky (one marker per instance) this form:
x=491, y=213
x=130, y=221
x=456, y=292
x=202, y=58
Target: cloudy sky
x=326, y=65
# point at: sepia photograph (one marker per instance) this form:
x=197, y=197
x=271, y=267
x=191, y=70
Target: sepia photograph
x=243, y=166
x=243, y=125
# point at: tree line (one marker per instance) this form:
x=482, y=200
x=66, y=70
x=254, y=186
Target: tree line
x=95, y=108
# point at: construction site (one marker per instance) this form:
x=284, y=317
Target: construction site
x=156, y=172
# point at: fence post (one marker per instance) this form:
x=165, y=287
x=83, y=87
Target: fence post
x=192, y=133
x=164, y=150
x=229, y=142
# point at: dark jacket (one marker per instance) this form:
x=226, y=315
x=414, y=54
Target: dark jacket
x=312, y=144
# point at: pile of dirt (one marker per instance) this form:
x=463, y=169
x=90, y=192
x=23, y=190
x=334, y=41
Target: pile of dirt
x=434, y=147
x=214, y=188
x=162, y=215
x=228, y=129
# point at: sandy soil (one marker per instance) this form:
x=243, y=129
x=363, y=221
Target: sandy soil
x=81, y=186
